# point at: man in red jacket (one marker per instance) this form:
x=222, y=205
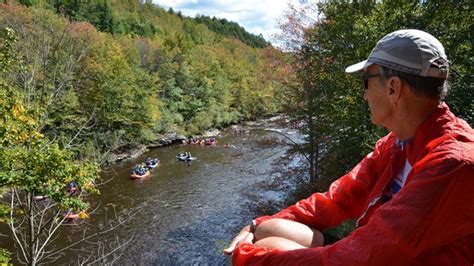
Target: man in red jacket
x=412, y=196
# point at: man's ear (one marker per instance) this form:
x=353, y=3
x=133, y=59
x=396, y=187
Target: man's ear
x=394, y=88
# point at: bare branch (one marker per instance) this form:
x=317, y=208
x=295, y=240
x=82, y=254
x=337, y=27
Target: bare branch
x=296, y=145
x=13, y=228
x=113, y=251
x=80, y=130
x=85, y=238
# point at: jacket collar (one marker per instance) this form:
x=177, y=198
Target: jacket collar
x=433, y=127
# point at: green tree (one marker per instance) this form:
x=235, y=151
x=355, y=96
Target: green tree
x=119, y=97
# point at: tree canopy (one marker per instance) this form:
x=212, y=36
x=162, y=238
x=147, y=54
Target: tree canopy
x=230, y=28
x=120, y=72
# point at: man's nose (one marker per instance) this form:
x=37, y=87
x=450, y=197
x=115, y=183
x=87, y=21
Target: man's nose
x=365, y=95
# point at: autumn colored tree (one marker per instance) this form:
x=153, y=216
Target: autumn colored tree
x=33, y=167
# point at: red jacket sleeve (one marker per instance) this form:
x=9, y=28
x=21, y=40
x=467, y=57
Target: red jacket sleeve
x=431, y=218
x=345, y=198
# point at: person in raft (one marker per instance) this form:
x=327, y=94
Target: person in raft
x=411, y=196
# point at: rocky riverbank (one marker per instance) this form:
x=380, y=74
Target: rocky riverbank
x=172, y=138
x=161, y=140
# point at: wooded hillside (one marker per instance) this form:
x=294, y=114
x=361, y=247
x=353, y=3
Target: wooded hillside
x=107, y=75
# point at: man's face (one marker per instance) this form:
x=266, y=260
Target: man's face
x=376, y=95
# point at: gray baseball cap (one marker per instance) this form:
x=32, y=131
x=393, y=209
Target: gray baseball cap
x=409, y=51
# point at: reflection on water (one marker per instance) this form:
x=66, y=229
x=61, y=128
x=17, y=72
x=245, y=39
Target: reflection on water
x=184, y=213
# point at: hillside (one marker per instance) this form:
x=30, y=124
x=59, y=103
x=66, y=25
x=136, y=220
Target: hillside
x=143, y=19
x=230, y=28
x=123, y=71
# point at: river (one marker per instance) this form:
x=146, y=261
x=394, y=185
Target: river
x=184, y=213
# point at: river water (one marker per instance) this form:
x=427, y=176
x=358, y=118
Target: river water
x=184, y=213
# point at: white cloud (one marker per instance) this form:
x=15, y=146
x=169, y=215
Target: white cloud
x=258, y=17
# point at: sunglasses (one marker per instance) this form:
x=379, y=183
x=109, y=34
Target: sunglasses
x=366, y=77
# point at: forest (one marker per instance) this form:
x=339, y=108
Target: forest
x=122, y=72
x=80, y=81
x=229, y=28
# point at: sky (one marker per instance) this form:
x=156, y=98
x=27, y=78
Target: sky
x=256, y=16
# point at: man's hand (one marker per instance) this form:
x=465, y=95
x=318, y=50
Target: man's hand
x=244, y=236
